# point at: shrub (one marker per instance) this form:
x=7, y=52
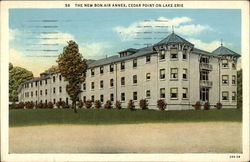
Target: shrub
x=88, y=104
x=161, y=104
x=80, y=104
x=118, y=105
x=20, y=105
x=40, y=105
x=108, y=105
x=143, y=104
x=29, y=105
x=207, y=106
x=58, y=104
x=98, y=104
x=45, y=105
x=197, y=105
x=131, y=105
x=64, y=105
x=218, y=105
x=13, y=106
x=50, y=105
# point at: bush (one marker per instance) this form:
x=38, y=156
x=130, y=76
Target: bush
x=118, y=105
x=143, y=104
x=207, y=106
x=29, y=105
x=218, y=105
x=39, y=105
x=58, y=104
x=45, y=105
x=108, y=105
x=131, y=105
x=50, y=105
x=98, y=104
x=80, y=104
x=13, y=106
x=197, y=105
x=20, y=105
x=161, y=104
x=64, y=105
x=88, y=104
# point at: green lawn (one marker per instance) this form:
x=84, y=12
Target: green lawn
x=27, y=117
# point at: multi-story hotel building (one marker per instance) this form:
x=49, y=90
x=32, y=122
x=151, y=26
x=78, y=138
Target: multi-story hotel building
x=172, y=69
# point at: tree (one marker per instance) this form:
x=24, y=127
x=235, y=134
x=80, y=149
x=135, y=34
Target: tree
x=53, y=68
x=239, y=88
x=72, y=66
x=17, y=76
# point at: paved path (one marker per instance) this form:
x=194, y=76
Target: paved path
x=140, y=138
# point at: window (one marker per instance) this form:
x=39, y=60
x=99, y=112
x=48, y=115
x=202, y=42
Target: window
x=36, y=93
x=148, y=58
x=134, y=79
x=173, y=73
x=184, y=54
x=84, y=86
x=233, y=96
x=122, y=65
x=54, y=79
x=92, y=85
x=31, y=94
x=148, y=94
x=224, y=96
x=31, y=84
x=184, y=93
x=204, y=75
x=224, y=79
x=233, y=66
x=111, y=97
x=41, y=83
x=135, y=96
x=36, y=83
x=162, y=93
x=41, y=92
x=224, y=63
x=173, y=53
x=92, y=72
x=122, y=80
x=148, y=76
x=111, y=82
x=134, y=63
x=162, y=55
x=122, y=96
x=28, y=85
x=162, y=73
x=233, y=79
x=46, y=101
x=101, y=70
x=46, y=82
x=54, y=90
x=204, y=94
x=92, y=98
x=204, y=60
x=46, y=91
x=84, y=98
x=67, y=100
x=54, y=101
x=60, y=89
x=60, y=100
x=184, y=75
x=111, y=67
x=101, y=98
x=101, y=84
x=173, y=93
x=60, y=77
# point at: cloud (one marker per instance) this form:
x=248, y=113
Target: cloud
x=61, y=38
x=208, y=46
x=93, y=50
x=180, y=26
x=13, y=34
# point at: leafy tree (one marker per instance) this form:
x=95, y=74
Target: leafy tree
x=17, y=75
x=72, y=66
x=239, y=88
x=53, y=68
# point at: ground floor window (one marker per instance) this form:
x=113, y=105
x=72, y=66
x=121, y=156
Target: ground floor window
x=135, y=96
x=101, y=98
x=84, y=98
x=204, y=94
x=224, y=96
x=122, y=96
x=111, y=97
x=162, y=93
x=184, y=93
x=148, y=94
x=174, y=93
x=233, y=96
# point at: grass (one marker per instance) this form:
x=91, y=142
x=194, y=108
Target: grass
x=31, y=117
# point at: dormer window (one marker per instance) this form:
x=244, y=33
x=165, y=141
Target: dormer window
x=225, y=63
x=134, y=63
x=101, y=70
x=184, y=55
x=173, y=53
x=122, y=65
x=162, y=54
x=111, y=67
x=92, y=72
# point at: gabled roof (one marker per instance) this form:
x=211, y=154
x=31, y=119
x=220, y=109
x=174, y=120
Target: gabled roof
x=224, y=51
x=173, y=38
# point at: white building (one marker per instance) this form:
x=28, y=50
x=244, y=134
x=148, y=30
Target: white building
x=173, y=70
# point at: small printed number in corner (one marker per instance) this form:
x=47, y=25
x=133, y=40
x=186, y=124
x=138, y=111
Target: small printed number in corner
x=234, y=156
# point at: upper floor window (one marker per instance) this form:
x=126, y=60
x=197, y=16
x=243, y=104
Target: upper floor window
x=54, y=90
x=60, y=89
x=233, y=66
x=111, y=82
x=101, y=70
x=31, y=84
x=46, y=81
x=148, y=58
x=233, y=79
x=162, y=73
x=60, y=77
x=204, y=75
x=224, y=95
x=173, y=73
x=36, y=83
x=41, y=92
x=134, y=79
x=84, y=86
x=148, y=76
x=54, y=79
x=184, y=54
x=46, y=91
x=122, y=65
x=173, y=53
x=204, y=60
x=224, y=63
x=184, y=75
x=162, y=55
x=148, y=94
x=174, y=93
x=92, y=72
x=134, y=63
x=101, y=98
x=224, y=79
x=32, y=93
x=41, y=82
x=123, y=96
x=101, y=84
x=122, y=80
x=135, y=96
x=233, y=96
x=111, y=97
x=111, y=67
x=162, y=93
x=184, y=93
x=92, y=85
x=36, y=93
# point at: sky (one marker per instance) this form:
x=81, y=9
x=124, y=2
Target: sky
x=37, y=36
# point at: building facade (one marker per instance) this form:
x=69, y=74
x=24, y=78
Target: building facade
x=172, y=69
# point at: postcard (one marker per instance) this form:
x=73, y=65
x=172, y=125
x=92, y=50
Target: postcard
x=124, y=81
